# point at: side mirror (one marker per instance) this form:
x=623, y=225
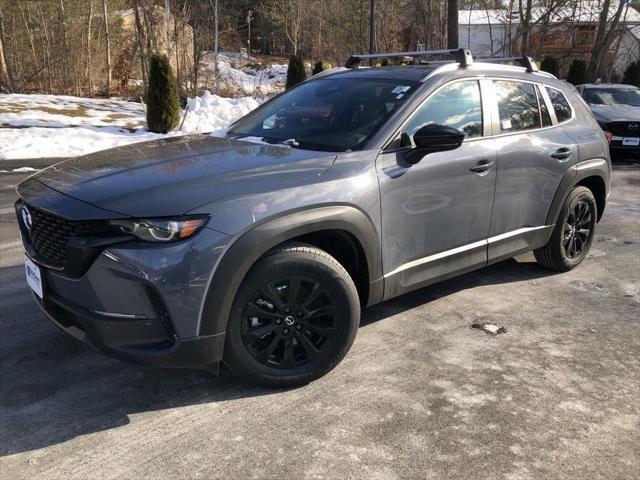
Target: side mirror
x=433, y=138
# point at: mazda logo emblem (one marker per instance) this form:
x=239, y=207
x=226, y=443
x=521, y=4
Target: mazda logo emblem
x=26, y=218
x=633, y=127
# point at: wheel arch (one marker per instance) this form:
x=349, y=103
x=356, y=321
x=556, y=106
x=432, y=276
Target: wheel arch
x=593, y=174
x=321, y=227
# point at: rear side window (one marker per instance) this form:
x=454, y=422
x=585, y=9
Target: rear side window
x=544, y=112
x=517, y=105
x=560, y=104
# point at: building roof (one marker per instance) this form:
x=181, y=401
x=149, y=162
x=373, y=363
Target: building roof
x=586, y=11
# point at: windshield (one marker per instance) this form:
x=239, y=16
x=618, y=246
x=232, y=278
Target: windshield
x=613, y=96
x=328, y=114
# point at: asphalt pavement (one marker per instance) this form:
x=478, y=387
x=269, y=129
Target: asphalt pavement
x=421, y=394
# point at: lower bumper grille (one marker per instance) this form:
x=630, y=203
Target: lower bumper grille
x=162, y=311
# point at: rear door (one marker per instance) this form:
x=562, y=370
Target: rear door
x=533, y=153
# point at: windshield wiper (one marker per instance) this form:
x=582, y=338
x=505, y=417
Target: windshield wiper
x=292, y=142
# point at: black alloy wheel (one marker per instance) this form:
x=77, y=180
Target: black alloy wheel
x=289, y=322
x=577, y=229
x=293, y=319
x=573, y=233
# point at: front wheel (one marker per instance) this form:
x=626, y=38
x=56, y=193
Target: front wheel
x=573, y=233
x=294, y=318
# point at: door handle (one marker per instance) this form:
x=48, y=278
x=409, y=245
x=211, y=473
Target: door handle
x=481, y=166
x=561, y=153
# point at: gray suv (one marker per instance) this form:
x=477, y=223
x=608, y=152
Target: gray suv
x=260, y=248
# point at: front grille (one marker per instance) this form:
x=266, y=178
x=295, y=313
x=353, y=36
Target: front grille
x=50, y=234
x=624, y=129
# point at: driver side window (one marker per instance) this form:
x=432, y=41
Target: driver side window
x=456, y=105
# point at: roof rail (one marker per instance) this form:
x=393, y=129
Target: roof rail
x=461, y=56
x=526, y=62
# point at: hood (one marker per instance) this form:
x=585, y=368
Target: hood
x=615, y=113
x=172, y=176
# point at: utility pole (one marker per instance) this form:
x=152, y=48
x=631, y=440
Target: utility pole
x=249, y=18
x=372, y=27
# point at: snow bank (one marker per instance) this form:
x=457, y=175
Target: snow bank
x=58, y=135
x=211, y=112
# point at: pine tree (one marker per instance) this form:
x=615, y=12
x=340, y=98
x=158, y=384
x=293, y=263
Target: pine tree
x=632, y=74
x=318, y=67
x=295, y=72
x=577, y=72
x=550, y=64
x=163, y=105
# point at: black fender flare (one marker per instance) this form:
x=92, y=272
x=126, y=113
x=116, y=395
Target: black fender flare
x=252, y=244
x=597, y=167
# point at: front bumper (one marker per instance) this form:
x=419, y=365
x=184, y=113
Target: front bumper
x=133, y=300
x=137, y=341
x=141, y=302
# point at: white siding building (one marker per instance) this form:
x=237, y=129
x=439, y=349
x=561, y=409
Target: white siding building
x=566, y=33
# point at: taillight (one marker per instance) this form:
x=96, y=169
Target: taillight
x=609, y=136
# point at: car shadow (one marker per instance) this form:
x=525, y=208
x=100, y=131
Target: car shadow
x=518, y=269
x=54, y=388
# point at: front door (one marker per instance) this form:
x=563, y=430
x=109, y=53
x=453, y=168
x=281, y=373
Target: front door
x=436, y=213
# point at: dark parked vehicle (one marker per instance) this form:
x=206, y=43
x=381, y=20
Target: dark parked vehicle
x=617, y=109
x=366, y=183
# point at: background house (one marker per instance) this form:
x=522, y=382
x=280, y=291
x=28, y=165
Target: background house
x=566, y=32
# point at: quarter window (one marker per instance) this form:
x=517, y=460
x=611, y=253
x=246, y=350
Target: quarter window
x=456, y=105
x=517, y=105
x=544, y=112
x=560, y=104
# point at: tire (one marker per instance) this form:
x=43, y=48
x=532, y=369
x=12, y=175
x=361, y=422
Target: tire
x=573, y=234
x=277, y=338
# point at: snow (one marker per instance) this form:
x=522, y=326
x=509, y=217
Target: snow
x=210, y=112
x=250, y=79
x=41, y=142
x=20, y=170
x=36, y=126
x=19, y=110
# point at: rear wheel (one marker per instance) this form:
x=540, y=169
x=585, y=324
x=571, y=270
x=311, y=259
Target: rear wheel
x=294, y=318
x=573, y=233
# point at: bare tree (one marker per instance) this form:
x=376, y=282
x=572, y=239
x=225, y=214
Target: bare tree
x=107, y=45
x=88, y=58
x=604, y=37
x=286, y=15
x=65, y=61
x=452, y=23
x=141, y=47
x=5, y=68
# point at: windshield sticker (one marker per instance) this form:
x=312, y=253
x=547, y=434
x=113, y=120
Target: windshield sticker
x=506, y=124
x=400, y=89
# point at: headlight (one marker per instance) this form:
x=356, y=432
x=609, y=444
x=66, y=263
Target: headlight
x=162, y=229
